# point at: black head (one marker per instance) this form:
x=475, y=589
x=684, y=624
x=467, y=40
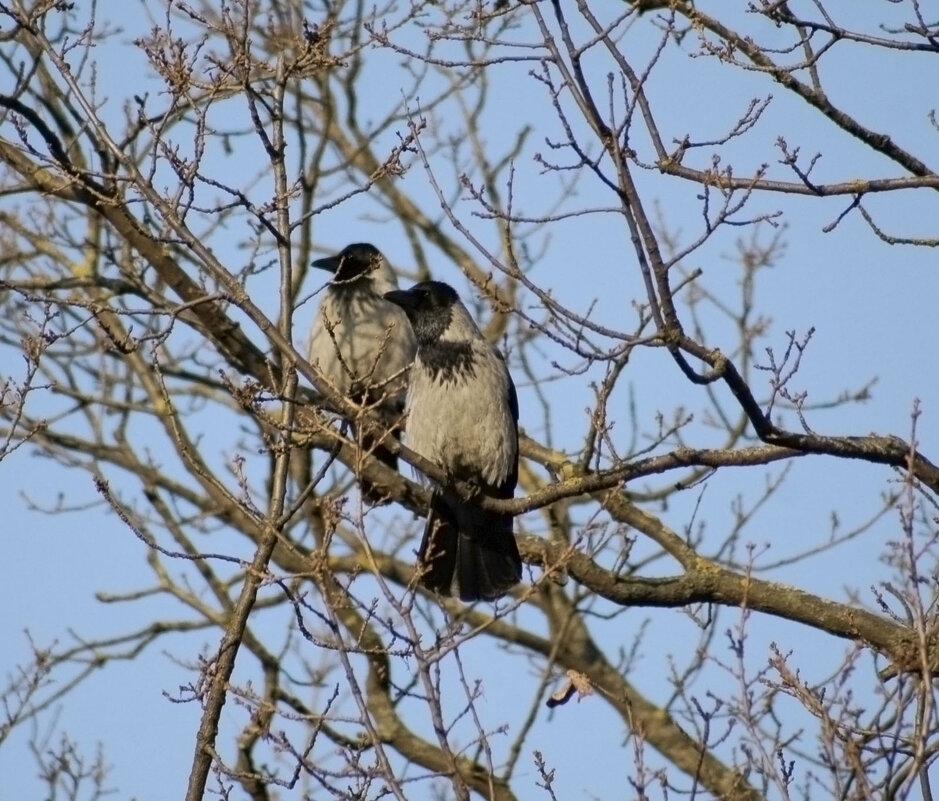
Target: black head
x=429, y=307
x=353, y=261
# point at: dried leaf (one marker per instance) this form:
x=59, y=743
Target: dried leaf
x=576, y=683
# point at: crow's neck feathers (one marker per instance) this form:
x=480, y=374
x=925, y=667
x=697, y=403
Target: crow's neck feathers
x=447, y=361
x=445, y=335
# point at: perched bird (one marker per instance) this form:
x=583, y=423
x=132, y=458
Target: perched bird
x=462, y=415
x=362, y=343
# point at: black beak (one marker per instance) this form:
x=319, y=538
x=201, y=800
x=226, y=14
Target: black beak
x=402, y=298
x=330, y=263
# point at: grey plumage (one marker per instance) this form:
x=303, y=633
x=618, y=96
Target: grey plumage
x=362, y=343
x=462, y=415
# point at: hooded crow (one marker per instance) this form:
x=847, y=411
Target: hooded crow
x=362, y=343
x=462, y=415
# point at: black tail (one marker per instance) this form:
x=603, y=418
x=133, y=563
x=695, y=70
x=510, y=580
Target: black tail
x=468, y=550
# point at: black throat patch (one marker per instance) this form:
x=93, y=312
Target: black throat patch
x=430, y=322
x=346, y=287
x=447, y=361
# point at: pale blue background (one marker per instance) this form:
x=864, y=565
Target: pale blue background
x=872, y=305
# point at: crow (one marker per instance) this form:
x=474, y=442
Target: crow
x=462, y=414
x=363, y=344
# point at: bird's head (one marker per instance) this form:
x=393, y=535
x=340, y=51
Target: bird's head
x=435, y=312
x=356, y=263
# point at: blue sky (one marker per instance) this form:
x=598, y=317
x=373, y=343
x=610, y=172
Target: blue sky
x=872, y=306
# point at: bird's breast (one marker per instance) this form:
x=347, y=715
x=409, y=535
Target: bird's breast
x=459, y=416
x=361, y=339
